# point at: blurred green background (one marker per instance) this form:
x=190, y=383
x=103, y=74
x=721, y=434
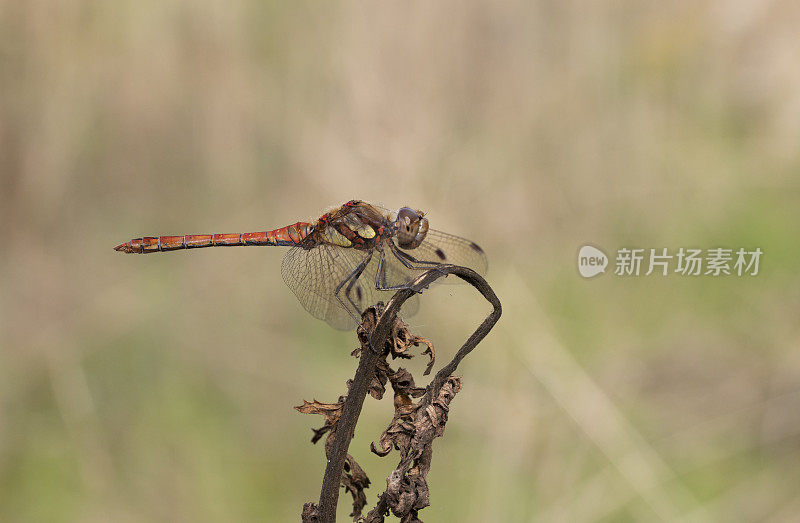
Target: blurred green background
x=160, y=388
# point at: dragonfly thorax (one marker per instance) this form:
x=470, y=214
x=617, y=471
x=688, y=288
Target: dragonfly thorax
x=356, y=224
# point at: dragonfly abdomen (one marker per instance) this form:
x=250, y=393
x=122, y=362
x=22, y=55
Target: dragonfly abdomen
x=285, y=236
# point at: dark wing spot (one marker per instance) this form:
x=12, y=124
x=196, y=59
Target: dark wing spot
x=440, y=254
x=359, y=293
x=475, y=247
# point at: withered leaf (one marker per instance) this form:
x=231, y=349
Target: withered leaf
x=331, y=411
x=354, y=481
x=402, y=339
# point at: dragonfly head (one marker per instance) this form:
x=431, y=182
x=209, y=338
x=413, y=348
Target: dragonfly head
x=411, y=228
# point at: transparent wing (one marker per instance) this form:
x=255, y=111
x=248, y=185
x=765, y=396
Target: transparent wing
x=314, y=275
x=440, y=247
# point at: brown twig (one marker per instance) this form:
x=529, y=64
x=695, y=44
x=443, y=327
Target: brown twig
x=341, y=418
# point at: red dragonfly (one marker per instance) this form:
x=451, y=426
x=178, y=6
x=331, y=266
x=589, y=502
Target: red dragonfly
x=346, y=261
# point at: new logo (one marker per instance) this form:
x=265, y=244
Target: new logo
x=591, y=261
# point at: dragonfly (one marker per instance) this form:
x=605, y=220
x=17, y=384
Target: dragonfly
x=347, y=260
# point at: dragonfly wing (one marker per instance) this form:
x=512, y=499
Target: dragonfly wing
x=440, y=247
x=314, y=274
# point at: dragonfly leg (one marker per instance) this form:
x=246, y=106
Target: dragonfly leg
x=380, y=275
x=351, y=279
x=409, y=261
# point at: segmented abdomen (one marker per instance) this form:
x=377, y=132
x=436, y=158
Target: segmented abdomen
x=290, y=235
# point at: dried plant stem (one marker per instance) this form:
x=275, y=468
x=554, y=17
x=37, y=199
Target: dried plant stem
x=345, y=428
x=374, y=348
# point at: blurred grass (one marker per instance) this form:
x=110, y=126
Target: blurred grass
x=160, y=388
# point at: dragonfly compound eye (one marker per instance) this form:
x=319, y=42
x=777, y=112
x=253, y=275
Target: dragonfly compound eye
x=411, y=228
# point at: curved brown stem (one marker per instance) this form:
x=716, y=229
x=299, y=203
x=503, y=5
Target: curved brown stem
x=329, y=495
